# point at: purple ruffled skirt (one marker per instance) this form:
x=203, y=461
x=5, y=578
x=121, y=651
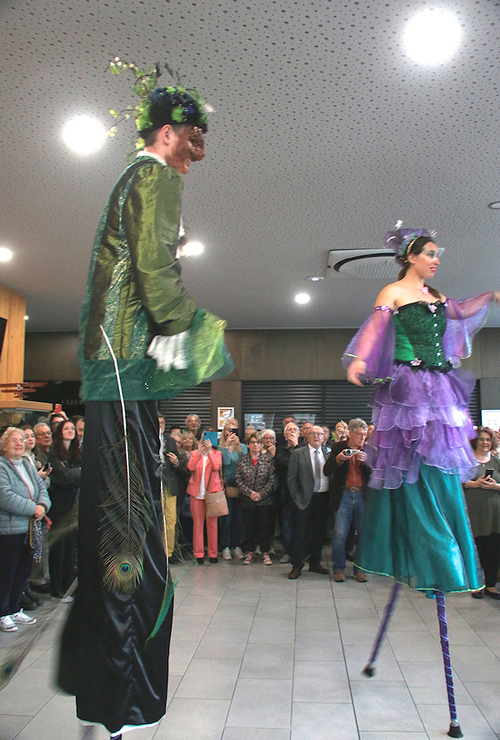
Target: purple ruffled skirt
x=421, y=416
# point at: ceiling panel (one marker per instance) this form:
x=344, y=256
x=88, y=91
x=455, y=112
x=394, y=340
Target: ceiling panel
x=324, y=134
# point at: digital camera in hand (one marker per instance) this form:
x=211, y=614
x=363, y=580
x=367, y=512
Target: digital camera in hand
x=348, y=452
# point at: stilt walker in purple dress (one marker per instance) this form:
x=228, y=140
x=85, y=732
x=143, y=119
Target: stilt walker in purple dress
x=416, y=524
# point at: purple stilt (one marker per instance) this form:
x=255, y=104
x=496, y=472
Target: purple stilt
x=454, y=730
x=369, y=669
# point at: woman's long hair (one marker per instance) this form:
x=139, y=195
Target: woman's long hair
x=73, y=453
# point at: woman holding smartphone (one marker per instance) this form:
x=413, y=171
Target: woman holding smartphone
x=204, y=464
x=482, y=494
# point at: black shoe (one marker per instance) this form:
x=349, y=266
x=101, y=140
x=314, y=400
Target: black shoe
x=27, y=605
x=318, y=568
x=33, y=597
x=477, y=594
x=200, y=561
x=492, y=594
x=214, y=560
x=294, y=573
x=43, y=588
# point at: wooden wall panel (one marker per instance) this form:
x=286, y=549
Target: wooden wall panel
x=295, y=354
x=12, y=308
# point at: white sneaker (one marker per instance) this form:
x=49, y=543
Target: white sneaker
x=285, y=559
x=238, y=553
x=22, y=618
x=226, y=553
x=67, y=600
x=7, y=625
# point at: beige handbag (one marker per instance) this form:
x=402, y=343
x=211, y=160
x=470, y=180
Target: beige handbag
x=216, y=504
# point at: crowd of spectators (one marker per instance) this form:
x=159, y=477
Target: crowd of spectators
x=39, y=484
x=287, y=494
x=278, y=508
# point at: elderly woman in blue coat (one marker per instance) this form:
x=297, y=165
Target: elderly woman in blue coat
x=23, y=496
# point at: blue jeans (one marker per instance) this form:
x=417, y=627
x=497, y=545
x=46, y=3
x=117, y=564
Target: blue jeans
x=230, y=525
x=351, y=504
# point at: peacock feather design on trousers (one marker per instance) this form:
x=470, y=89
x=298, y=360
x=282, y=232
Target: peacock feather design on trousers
x=126, y=512
x=127, y=516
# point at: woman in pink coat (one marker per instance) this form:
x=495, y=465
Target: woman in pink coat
x=205, y=465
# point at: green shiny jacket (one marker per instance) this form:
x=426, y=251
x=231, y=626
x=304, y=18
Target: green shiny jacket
x=134, y=288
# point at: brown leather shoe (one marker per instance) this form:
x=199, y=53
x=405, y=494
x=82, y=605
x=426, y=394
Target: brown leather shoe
x=294, y=573
x=318, y=568
x=361, y=577
x=339, y=576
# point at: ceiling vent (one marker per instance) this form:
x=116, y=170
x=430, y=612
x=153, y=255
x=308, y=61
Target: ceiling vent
x=370, y=264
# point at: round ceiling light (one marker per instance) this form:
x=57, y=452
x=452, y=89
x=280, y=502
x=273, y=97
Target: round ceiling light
x=84, y=134
x=5, y=254
x=432, y=36
x=495, y=206
x=302, y=298
x=192, y=249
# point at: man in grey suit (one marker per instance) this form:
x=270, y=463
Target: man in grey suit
x=309, y=488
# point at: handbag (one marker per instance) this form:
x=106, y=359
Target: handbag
x=231, y=491
x=216, y=504
x=35, y=537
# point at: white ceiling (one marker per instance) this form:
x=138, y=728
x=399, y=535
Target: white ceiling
x=324, y=134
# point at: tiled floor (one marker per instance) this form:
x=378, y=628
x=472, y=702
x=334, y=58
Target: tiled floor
x=258, y=657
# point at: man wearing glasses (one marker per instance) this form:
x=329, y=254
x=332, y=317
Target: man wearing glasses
x=347, y=464
x=43, y=437
x=309, y=488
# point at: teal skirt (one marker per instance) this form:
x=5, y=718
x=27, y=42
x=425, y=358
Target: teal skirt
x=420, y=534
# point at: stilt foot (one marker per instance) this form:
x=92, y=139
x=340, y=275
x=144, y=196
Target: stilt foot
x=369, y=670
x=455, y=731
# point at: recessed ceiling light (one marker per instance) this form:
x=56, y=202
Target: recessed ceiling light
x=191, y=249
x=84, y=134
x=26, y=318
x=302, y=298
x=495, y=206
x=315, y=278
x=5, y=254
x=432, y=36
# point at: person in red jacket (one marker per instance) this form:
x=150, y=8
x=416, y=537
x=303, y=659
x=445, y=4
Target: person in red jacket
x=205, y=464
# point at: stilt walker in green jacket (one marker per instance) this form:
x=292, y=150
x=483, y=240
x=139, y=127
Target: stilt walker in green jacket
x=142, y=339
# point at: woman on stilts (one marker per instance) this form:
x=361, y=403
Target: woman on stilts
x=416, y=523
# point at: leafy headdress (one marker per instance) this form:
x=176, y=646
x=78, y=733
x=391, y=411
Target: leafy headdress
x=158, y=106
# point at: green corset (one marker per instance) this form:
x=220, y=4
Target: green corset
x=420, y=329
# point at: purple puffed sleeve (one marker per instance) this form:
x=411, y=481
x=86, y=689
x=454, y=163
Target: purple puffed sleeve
x=464, y=319
x=374, y=344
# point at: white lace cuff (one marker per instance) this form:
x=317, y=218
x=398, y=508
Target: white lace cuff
x=169, y=351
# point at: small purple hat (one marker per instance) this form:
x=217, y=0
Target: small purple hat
x=401, y=239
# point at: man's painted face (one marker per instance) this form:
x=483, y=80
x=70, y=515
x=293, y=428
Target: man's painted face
x=189, y=146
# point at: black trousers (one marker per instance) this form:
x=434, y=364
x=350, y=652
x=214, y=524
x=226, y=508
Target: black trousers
x=488, y=548
x=310, y=529
x=16, y=561
x=259, y=516
x=117, y=679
